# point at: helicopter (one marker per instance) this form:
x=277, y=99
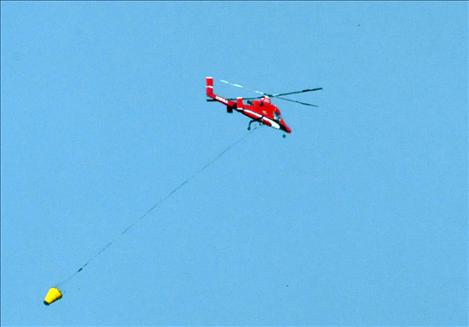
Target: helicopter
x=260, y=109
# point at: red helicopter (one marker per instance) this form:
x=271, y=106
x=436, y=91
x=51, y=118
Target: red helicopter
x=259, y=109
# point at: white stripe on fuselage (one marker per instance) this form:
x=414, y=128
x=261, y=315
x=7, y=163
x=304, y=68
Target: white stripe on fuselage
x=221, y=99
x=274, y=123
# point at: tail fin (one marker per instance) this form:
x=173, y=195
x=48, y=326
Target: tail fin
x=213, y=96
x=209, y=87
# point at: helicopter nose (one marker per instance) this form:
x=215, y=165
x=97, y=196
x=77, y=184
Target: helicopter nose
x=285, y=127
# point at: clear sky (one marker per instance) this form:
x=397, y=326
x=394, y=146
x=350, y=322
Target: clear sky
x=359, y=217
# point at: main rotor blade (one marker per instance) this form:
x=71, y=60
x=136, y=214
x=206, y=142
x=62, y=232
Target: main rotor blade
x=234, y=99
x=242, y=87
x=267, y=94
x=281, y=98
x=295, y=92
x=276, y=95
x=299, y=102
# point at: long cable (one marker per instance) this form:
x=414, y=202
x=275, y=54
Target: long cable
x=151, y=209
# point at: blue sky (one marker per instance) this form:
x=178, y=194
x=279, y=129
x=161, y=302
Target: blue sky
x=359, y=217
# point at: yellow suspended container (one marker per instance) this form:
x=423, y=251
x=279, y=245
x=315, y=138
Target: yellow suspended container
x=53, y=295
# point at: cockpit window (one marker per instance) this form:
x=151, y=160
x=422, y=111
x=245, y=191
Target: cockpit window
x=277, y=115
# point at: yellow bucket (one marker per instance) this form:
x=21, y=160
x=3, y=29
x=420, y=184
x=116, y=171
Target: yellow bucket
x=53, y=295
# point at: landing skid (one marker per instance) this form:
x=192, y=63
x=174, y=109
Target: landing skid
x=253, y=121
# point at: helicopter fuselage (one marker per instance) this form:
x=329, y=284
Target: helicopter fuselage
x=261, y=110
